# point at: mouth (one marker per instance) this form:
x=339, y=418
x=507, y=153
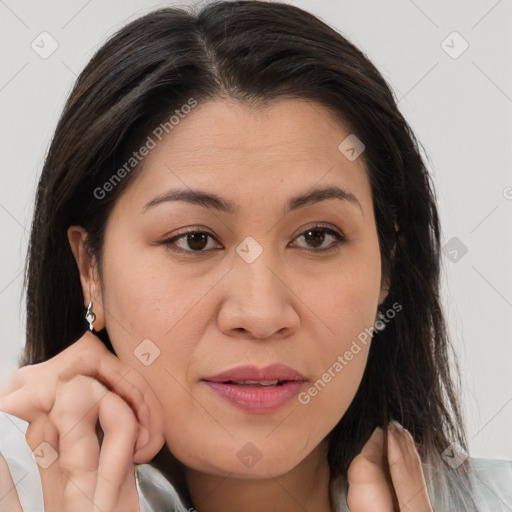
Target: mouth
x=256, y=383
x=257, y=390
x=250, y=374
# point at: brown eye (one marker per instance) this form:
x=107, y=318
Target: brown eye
x=197, y=241
x=316, y=236
x=192, y=241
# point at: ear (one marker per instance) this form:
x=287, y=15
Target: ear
x=89, y=278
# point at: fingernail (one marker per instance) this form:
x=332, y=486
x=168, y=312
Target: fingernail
x=394, y=425
x=398, y=429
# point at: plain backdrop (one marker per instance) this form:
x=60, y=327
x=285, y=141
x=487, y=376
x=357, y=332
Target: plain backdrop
x=449, y=66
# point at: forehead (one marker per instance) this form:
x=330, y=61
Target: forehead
x=231, y=146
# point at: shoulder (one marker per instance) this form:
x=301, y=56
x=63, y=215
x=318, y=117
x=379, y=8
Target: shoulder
x=17, y=466
x=496, y=468
x=492, y=483
x=473, y=484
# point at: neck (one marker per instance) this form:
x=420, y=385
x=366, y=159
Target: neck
x=304, y=487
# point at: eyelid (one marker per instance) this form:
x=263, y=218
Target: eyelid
x=320, y=225
x=329, y=229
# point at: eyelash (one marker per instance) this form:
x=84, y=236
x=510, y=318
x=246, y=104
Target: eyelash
x=339, y=240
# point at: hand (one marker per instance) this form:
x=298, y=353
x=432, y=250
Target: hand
x=64, y=399
x=370, y=490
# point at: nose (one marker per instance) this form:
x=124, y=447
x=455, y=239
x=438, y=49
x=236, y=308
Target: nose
x=259, y=302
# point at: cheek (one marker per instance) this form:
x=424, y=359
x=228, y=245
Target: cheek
x=343, y=319
x=339, y=374
x=343, y=303
x=143, y=300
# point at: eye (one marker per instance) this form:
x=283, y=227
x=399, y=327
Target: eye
x=196, y=241
x=317, y=235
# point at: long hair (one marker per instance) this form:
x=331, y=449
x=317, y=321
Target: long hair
x=253, y=52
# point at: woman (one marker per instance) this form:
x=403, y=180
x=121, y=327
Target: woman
x=235, y=205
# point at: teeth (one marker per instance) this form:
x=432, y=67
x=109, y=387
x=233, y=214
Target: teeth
x=256, y=382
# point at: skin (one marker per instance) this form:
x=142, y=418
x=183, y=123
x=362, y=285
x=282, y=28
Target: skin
x=210, y=311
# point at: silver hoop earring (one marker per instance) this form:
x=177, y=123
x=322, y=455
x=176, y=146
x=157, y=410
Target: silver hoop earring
x=90, y=316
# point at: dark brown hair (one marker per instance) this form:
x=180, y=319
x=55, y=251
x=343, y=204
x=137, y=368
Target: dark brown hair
x=253, y=52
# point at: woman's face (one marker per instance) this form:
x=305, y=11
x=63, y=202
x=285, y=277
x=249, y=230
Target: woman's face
x=254, y=287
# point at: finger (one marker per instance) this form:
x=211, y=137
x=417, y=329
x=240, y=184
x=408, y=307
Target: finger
x=87, y=356
x=33, y=390
x=91, y=357
x=30, y=401
x=116, y=464
x=14, y=381
x=369, y=491
x=43, y=439
x=406, y=471
x=75, y=415
x=42, y=430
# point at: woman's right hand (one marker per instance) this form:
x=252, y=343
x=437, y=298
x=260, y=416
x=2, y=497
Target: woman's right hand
x=64, y=400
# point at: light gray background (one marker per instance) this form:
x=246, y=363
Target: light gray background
x=460, y=109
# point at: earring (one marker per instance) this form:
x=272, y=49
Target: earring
x=90, y=316
x=379, y=324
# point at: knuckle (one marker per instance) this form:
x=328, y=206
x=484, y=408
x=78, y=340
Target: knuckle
x=76, y=395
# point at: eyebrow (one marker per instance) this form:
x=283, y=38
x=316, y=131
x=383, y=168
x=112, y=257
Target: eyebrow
x=213, y=201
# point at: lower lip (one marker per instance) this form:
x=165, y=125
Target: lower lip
x=257, y=399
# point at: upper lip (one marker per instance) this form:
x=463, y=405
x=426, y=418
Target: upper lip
x=250, y=372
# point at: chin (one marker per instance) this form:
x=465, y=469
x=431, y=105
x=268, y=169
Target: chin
x=241, y=460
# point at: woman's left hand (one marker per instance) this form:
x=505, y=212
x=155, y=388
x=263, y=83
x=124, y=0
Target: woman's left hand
x=371, y=491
